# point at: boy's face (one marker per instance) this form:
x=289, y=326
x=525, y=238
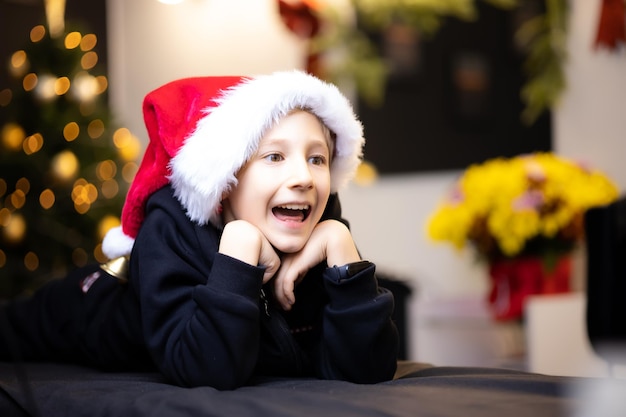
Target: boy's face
x=283, y=189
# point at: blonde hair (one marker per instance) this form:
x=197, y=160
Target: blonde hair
x=330, y=136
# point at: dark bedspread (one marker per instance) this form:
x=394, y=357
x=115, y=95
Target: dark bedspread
x=418, y=390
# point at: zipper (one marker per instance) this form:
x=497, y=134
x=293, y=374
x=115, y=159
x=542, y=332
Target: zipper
x=266, y=303
x=279, y=331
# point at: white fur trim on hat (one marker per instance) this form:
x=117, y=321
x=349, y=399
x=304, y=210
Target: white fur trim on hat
x=204, y=168
x=116, y=243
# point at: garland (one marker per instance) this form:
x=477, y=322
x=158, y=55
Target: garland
x=349, y=53
x=545, y=37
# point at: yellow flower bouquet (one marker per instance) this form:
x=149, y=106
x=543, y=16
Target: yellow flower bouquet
x=529, y=204
x=530, y=207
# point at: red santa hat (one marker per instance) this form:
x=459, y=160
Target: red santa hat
x=202, y=130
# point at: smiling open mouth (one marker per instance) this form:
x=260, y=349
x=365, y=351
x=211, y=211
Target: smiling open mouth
x=293, y=212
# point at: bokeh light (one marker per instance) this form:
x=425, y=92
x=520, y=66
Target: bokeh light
x=12, y=136
x=65, y=165
x=32, y=144
x=72, y=40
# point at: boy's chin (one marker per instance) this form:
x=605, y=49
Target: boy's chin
x=287, y=248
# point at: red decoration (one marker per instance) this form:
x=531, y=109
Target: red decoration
x=513, y=280
x=300, y=16
x=612, y=26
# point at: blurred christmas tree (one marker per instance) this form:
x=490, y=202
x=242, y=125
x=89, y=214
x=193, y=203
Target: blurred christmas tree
x=64, y=169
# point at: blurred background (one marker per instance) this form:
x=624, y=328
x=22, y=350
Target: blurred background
x=439, y=86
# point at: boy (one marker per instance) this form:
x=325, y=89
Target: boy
x=239, y=262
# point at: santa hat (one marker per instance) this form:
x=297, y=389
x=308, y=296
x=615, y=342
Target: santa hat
x=202, y=130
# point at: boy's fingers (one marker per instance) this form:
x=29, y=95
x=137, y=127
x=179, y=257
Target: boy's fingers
x=288, y=286
x=267, y=275
x=283, y=288
x=270, y=260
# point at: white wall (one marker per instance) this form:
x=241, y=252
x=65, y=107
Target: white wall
x=152, y=43
x=590, y=122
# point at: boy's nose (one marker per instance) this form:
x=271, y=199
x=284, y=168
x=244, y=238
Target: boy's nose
x=300, y=175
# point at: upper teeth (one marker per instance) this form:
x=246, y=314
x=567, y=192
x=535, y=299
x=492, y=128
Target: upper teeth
x=295, y=206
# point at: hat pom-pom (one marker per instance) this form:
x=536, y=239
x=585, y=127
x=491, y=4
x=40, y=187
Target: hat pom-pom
x=116, y=243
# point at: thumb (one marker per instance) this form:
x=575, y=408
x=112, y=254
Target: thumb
x=270, y=270
x=270, y=260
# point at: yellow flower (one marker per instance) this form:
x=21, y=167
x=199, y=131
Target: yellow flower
x=507, y=207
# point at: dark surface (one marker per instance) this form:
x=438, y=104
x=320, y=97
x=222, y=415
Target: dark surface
x=418, y=390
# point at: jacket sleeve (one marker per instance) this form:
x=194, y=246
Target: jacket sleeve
x=200, y=310
x=359, y=341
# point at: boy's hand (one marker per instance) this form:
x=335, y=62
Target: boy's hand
x=330, y=240
x=244, y=241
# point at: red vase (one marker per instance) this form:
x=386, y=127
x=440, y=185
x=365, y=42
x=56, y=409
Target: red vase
x=513, y=280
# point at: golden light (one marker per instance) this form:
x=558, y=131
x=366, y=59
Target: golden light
x=29, y=82
x=45, y=88
x=88, y=42
x=33, y=144
x=65, y=165
x=47, y=198
x=89, y=60
x=31, y=261
x=103, y=84
x=15, y=229
x=55, y=16
x=37, y=33
x=23, y=184
x=91, y=193
x=110, y=188
x=5, y=216
x=366, y=174
x=6, y=95
x=106, y=170
x=128, y=145
x=18, y=58
x=85, y=86
x=95, y=129
x=61, y=85
x=80, y=181
x=107, y=223
x=83, y=195
x=71, y=131
x=72, y=40
x=99, y=255
x=18, y=198
x=7, y=203
x=19, y=63
x=129, y=170
x=121, y=137
x=12, y=136
x=82, y=208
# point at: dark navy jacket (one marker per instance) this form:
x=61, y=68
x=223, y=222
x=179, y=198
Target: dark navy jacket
x=205, y=322
x=203, y=318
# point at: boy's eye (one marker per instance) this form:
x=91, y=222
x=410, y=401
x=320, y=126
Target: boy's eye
x=274, y=157
x=318, y=160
